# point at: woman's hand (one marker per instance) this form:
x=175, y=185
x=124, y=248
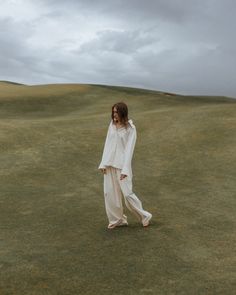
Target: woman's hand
x=103, y=170
x=122, y=176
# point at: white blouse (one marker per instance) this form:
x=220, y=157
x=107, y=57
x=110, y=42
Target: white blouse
x=119, y=147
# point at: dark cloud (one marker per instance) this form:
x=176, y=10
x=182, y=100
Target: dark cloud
x=177, y=45
x=137, y=10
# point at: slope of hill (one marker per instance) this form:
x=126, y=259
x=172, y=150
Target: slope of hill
x=2, y=82
x=53, y=231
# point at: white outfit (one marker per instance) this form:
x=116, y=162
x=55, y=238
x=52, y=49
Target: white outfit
x=116, y=158
x=119, y=147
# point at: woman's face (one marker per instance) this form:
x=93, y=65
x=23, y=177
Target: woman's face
x=115, y=114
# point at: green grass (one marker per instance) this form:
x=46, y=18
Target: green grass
x=53, y=226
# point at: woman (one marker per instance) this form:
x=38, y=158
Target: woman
x=117, y=170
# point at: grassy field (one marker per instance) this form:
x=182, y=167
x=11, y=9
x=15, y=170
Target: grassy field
x=53, y=226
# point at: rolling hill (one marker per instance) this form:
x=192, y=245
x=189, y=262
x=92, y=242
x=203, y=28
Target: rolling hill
x=53, y=227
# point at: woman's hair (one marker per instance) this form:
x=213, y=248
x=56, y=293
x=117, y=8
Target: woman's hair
x=122, y=111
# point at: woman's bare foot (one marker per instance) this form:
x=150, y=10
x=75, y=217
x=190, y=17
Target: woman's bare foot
x=146, y=220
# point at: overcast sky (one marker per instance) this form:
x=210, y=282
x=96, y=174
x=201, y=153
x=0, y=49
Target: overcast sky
x=182, y=46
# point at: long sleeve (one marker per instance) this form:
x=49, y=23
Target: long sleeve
x=106, y=148
x=128, y=154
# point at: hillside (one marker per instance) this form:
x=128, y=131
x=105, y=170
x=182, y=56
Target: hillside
x=53, y=231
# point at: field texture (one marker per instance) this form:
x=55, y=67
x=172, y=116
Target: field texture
x=53, y=226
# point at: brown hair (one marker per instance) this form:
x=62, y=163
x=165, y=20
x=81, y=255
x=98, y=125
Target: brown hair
x=122, y=111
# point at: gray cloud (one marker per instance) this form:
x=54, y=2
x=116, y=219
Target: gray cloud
x=126, y=42
x=137, y=10
x=177, y=45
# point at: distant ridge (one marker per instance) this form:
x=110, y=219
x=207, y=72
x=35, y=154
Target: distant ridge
x=9, y=82
x=123, y=89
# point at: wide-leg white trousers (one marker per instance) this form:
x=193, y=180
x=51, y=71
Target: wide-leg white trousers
x=114, y=191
